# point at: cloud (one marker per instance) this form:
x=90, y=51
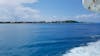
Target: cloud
x=15, y=2
x=86, y=16
x=14, y=10
x=82, y=17
x=93, y=49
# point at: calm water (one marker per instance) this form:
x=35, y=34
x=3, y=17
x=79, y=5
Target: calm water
x=45, y=39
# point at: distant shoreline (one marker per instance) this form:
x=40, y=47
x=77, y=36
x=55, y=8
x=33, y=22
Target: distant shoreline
x=43, y=22
x=20, y=22
x=48, y=23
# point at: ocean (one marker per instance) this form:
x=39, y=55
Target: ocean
x=66, y=39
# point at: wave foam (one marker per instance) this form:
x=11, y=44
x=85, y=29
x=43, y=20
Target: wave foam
x=92, y=49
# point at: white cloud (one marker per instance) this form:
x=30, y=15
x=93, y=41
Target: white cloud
x=93, y=49
x=81, y=17
x=14, y=10
x=15, y=2
x=86, y=16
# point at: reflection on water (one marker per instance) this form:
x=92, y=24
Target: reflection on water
x=44, y=39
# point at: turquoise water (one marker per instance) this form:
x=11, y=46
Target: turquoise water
x=45, y=39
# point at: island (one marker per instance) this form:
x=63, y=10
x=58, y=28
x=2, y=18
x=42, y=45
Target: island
x=66, y=21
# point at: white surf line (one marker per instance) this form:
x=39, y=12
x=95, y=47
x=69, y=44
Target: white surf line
x=92, y=49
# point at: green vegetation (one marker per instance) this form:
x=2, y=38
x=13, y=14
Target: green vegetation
x=66, y=21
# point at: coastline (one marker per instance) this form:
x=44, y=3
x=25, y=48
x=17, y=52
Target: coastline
x=21, y=22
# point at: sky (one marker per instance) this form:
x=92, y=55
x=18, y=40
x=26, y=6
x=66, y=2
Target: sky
x=48, y=10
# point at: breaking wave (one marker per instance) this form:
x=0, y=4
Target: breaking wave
x=92, y=49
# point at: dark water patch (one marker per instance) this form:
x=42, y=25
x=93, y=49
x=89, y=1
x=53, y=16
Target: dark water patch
x=55, y=42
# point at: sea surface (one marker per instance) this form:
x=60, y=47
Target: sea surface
x=45, y=39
